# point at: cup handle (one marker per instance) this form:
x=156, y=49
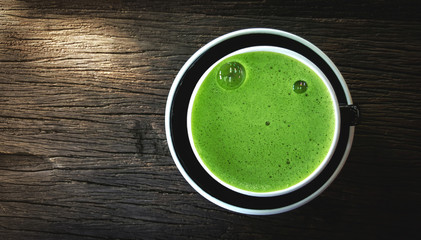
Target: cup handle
x=350, y=114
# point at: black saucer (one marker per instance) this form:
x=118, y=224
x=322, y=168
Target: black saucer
x=179, y=141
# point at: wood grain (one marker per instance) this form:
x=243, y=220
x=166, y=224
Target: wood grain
x=83, y=88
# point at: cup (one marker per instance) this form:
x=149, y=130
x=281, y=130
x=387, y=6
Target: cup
x=335, y=107
x=179, y=122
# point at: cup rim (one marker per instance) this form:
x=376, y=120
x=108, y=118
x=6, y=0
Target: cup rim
x=333, y=144
x=346, y=138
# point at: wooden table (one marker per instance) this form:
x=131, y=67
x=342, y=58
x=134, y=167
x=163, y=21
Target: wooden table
x=83, y=89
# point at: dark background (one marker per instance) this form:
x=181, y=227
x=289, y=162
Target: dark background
x=83, y=88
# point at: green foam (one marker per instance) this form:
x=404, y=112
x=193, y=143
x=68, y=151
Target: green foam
x=262, y=136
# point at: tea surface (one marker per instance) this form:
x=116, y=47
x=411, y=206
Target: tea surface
x=263, y=135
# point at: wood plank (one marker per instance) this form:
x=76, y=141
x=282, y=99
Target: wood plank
x=83, y=88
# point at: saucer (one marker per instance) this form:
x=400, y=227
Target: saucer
x=177, y=134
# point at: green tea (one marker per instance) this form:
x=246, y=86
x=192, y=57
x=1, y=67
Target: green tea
x=262, y=121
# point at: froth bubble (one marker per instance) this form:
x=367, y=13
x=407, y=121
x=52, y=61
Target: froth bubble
x=300, y=86
x=231, y=75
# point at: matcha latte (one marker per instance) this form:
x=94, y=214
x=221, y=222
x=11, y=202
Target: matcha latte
x=263, y=120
